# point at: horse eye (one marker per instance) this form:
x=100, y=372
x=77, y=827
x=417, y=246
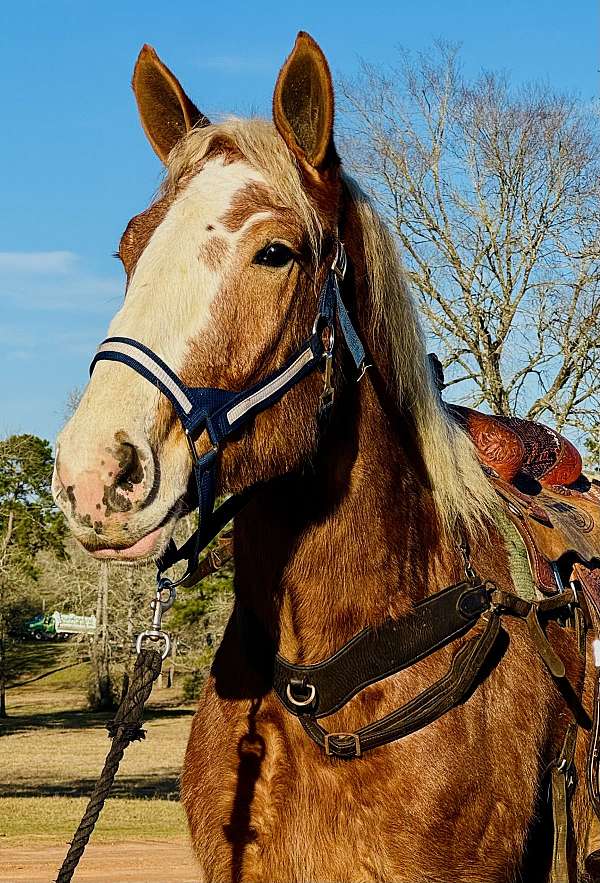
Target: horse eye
x=274, y=255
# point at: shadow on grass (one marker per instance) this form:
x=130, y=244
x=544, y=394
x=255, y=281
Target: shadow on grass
x=29, y=659
x=148, y=786
x=77, y=720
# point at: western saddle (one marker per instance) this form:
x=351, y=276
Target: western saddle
x=555, y=508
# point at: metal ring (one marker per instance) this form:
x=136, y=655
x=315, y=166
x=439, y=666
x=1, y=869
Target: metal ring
x=191, y=446
x=154, y=636
x=196, y=458
x=301, y=703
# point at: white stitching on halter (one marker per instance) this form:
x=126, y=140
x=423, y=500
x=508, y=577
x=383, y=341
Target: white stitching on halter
x=271, y=388
x=148, y=362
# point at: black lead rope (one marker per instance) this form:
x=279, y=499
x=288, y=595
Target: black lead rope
x=126, y=727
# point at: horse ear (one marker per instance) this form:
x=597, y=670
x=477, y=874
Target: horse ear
x=165, y=110
x=303, y=107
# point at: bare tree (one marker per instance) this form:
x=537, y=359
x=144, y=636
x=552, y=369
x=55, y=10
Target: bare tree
x=494, y=194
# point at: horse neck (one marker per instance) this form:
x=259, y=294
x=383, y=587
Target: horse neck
x=351, y=540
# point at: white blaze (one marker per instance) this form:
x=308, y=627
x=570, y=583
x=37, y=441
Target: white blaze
x=167, y=304
x=169, y=297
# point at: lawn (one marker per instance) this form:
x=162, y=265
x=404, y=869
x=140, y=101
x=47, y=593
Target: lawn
x=24, y=821
x=53, y=751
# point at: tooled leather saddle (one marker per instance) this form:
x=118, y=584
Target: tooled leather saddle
x=539, y=475
x=555, y=508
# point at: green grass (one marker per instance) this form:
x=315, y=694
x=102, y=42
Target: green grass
x=71, y=678
x=25, y=819
x=56, y=665
x=53, y=750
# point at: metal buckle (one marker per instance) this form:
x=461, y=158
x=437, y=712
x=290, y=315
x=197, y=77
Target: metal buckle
x=333, y=752
x=192, y=447
x=470, y=573
x=196, y=457
x=215, y=557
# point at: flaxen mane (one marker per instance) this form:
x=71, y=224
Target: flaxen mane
x=460, y=489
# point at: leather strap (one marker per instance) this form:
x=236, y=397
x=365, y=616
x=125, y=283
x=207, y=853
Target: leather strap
x=562, y=782
x=589, y=581
x=425, y=708
x=533, y=612
x=559, y=870
x=550, y=657
x=213, y=560
x=562, y=771
x=593, y=758
x=377, y=653
x=315, y=691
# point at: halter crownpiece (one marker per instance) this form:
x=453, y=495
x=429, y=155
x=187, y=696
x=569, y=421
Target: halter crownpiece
x=221, y=412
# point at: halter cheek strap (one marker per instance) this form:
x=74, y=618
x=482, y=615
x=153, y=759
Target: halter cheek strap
x=221, y=412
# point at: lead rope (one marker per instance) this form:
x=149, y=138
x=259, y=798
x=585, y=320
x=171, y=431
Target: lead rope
x=126, y=726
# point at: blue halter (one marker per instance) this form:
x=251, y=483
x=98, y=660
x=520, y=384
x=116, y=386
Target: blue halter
x=221, y=412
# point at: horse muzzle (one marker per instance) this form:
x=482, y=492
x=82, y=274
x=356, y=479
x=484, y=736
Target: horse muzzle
x=107, y=500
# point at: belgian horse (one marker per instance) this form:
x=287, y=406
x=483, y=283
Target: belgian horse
x=350, y=523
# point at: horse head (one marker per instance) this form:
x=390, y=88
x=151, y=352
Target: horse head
x=223, y=270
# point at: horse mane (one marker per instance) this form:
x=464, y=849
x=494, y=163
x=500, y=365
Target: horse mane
x=460, y=490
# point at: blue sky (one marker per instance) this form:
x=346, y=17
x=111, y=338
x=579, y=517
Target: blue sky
x=76, y=166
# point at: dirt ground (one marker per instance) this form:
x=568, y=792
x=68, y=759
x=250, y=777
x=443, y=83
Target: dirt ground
x=150, y=861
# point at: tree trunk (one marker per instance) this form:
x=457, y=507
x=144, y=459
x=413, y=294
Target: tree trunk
x=5, y=544
x=171, y=674
x=130, y=639
x=3, y=712
x=101, y=695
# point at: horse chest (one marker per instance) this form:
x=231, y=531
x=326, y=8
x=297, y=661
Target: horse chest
x=264, y=804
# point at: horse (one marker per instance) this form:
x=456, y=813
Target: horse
x=354, y=519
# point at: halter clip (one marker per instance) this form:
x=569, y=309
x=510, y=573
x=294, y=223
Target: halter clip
x=340, y=262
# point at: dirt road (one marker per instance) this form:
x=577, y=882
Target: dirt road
x=150, y=861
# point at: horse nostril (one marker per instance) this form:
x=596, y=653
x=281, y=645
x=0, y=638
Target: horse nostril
x=130, y=471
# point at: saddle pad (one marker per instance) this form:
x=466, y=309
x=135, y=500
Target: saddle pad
x=522, y=568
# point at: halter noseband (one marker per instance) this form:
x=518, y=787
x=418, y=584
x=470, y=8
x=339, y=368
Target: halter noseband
x=221, y=412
